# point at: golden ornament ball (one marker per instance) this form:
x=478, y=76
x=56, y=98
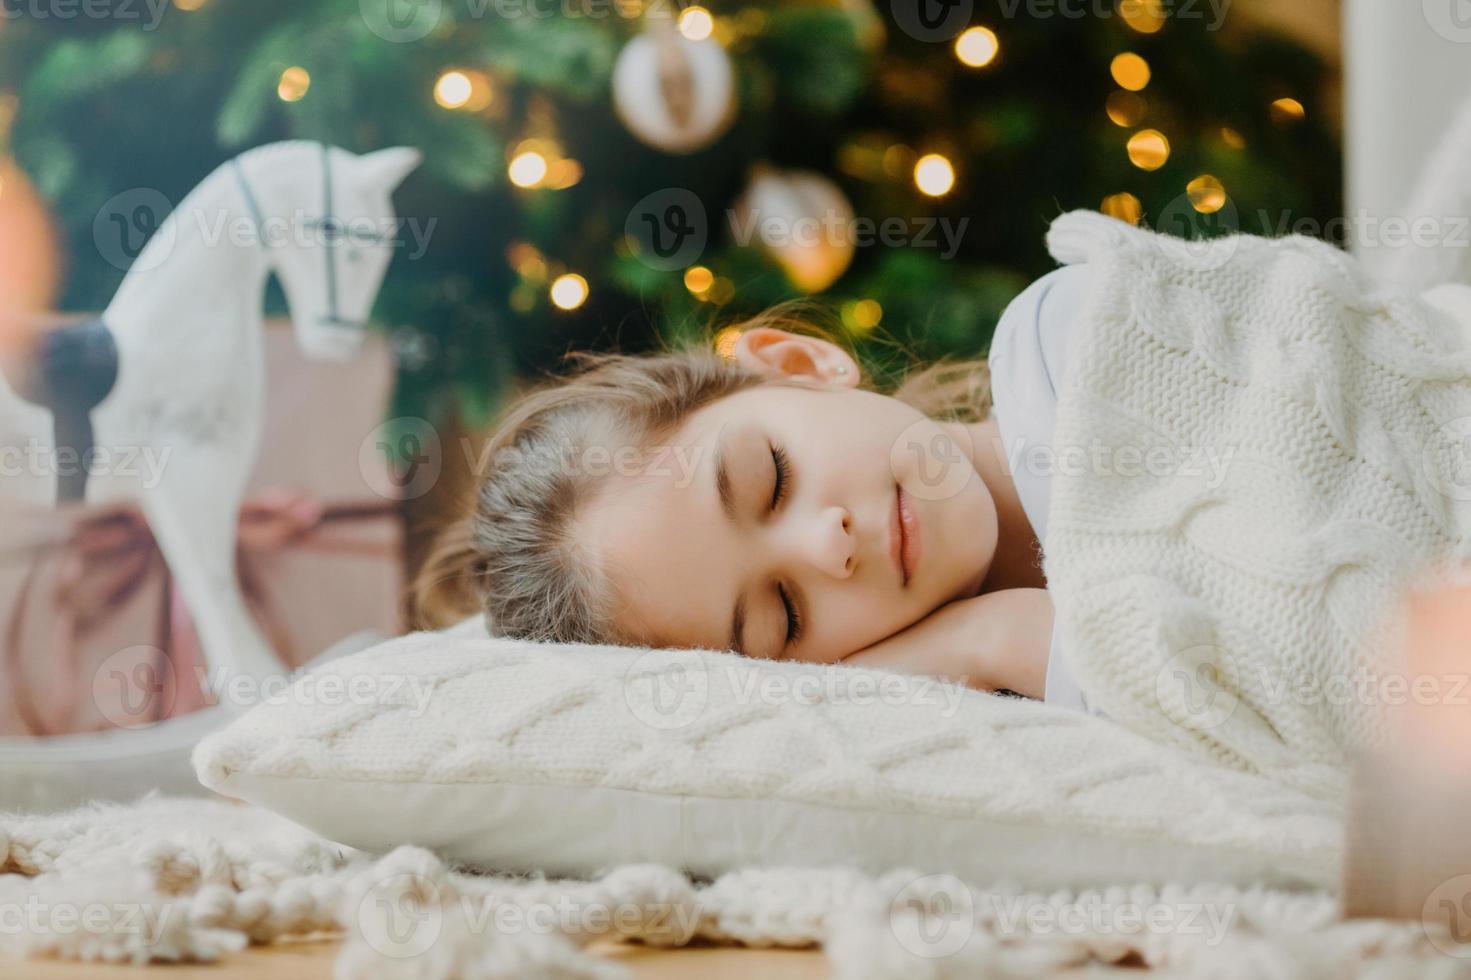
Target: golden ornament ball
x=803, y=221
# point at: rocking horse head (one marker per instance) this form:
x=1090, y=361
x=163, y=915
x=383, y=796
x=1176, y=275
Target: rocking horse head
x=325, y=218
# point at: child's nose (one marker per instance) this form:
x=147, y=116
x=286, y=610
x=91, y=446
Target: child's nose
x=832, y=548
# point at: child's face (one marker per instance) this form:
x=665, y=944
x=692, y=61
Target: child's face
x=681, y=566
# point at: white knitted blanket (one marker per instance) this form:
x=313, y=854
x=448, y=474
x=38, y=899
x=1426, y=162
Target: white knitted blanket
x=168, y=880
x=1257, y=451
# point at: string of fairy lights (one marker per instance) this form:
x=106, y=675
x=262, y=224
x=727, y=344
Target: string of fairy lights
x=538, y=163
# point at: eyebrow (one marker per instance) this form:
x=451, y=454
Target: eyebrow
x=728, y=504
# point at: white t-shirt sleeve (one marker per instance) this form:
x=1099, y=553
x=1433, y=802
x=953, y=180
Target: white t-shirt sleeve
x=1027, y=359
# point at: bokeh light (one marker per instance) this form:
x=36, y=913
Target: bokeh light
x=569, y=291
x=1130, y=71
x=698, y=279
x=1125, y=207
x=453, y=90
x=1149, y=149
x=1207, y=194
x=934, y=175
x=696, y=23
x=527, y=169
x=977, y=47
x=294, y=83
x=1126, y=109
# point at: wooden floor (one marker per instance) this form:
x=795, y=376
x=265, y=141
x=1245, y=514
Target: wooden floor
x=312, y=960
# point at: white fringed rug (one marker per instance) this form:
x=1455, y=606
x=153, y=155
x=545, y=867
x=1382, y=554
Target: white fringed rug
x=170, y=879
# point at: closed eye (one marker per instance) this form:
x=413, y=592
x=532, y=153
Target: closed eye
x=782, y=483
x=794, y=618
x=781, y=488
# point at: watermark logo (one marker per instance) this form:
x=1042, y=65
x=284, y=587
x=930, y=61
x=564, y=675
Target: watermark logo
x=932, y=20
x=1446, y=917
x=127, y=223
x=1451, y=19
x=1208, y=465
x=404, y=915
x=401, y=917
x=138, y=687
x=672, y=689
x=677, y=464
x=667, y=689
x=1446, y=459
x=1364, y=687
x=928, y=462
x=1095, y=917
x=1203, y=223
x=933, y=916
x=936, y=915
x=413, y=454
x=1196, y=687
x=1365, y=230
x=132, y=231
x=668, y=229
x=401, y=21
x=134, y=687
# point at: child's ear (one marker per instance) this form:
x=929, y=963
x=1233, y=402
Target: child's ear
x=768, y=350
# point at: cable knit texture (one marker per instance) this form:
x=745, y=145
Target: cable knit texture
x=676, y=724
x=1265, y=452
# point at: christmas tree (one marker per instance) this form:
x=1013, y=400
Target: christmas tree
x=627, y=172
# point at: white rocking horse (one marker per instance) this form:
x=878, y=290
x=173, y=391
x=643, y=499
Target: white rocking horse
x=175, y=366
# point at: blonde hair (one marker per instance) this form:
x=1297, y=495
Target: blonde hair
x=515, y=556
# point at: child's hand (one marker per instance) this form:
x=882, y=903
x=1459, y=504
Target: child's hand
x=989, y=642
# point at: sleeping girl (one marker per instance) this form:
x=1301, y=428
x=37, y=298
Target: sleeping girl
x=773, y=504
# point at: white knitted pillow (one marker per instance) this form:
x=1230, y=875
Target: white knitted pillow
x=567, y=759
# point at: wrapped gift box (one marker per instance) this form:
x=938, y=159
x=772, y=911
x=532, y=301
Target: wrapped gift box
x=94, y=634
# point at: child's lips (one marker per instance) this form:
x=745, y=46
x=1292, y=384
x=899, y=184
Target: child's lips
x=904, y=536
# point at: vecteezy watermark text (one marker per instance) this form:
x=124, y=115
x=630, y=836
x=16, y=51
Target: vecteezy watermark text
x=136, y=219
x=935, y=916
x=939, y=21
x=670, y=689
x=404, y=915
x=1214, y=10
x=835, y=228
x=148, y=13
x=137, y=686
x=35, y=917
x=143, y=464
x=407, y=21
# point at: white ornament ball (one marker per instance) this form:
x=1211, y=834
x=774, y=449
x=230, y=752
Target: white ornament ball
x=803, y=221
x=674, y=94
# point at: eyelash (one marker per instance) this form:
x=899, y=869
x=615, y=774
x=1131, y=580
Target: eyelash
x=794, y=618
x=778, y=494
x=783, y=476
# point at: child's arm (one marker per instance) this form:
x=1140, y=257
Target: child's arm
x=992, y=641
